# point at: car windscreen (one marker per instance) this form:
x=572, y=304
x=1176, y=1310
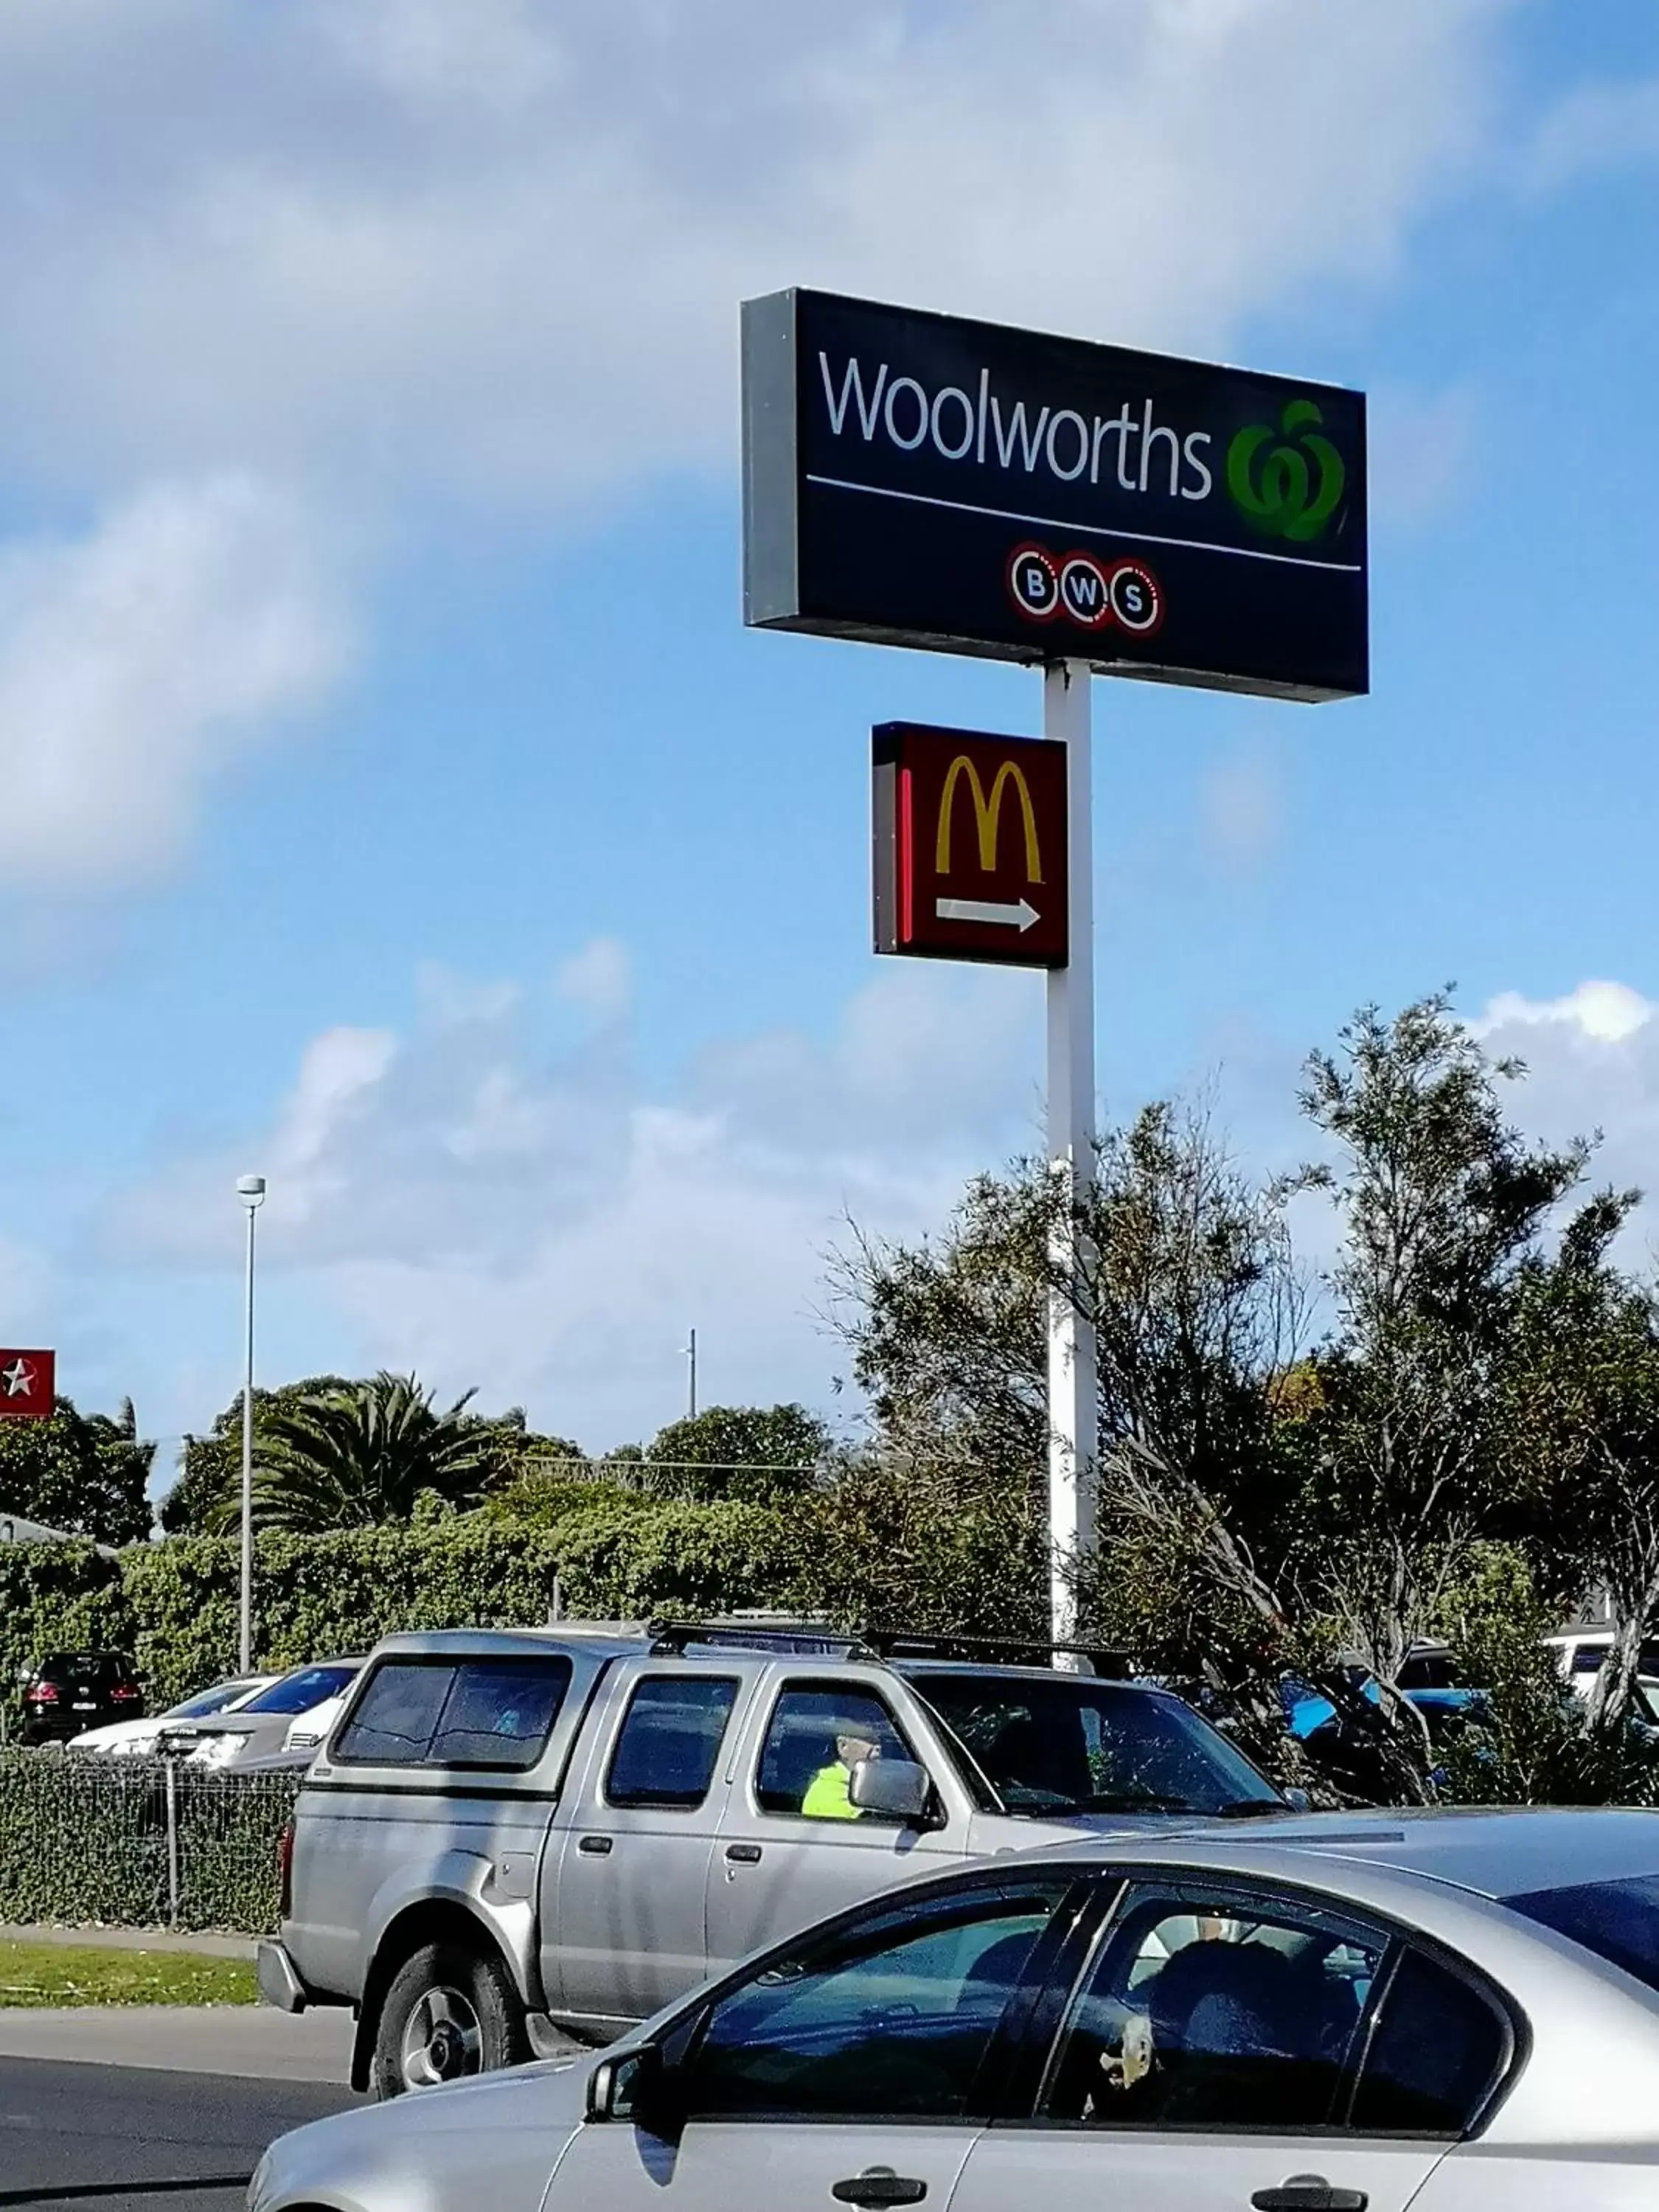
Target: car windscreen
x=1617, y=1920
x=206, y=1701
x=299, y=1691
x=1070, y=1745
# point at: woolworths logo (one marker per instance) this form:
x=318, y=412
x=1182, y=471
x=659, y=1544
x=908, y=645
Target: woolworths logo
x=1290, y=489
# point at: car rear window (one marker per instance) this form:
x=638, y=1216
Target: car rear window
x=1617, y=1920
x=465, y=1712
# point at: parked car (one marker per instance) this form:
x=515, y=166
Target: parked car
x=68, y=1692
x=1579, y=1653
x=305, y=1699
x=529, y=1834
x=1342, y=2013
x=136, y=1739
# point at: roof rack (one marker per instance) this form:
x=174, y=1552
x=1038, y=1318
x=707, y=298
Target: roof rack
x=815, y=1639
x=823, y=1639
x=1112, y=1661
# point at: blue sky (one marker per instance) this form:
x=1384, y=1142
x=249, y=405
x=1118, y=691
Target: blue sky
x=399, y=807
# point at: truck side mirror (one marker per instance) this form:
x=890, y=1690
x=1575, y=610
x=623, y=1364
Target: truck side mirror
x=891, y=1790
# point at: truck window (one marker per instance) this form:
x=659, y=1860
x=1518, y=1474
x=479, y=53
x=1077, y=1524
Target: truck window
x=469, y=1713
x=669, y=1744
x=813, y=1739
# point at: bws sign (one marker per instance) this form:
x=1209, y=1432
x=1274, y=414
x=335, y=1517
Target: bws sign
x=970, y=852
x=916, y=480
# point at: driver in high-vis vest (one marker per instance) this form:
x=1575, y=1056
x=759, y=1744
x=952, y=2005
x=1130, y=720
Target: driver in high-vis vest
x=828, y=1794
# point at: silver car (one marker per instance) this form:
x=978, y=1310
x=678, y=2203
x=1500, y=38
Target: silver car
x=1340, y=2013
x=299, y=1707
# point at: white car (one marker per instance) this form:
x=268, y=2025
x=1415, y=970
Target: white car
x=137, y=1739
x=1345, y=2013
x=1580, y=1652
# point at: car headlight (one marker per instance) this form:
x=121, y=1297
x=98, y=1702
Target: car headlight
x=217, y=1750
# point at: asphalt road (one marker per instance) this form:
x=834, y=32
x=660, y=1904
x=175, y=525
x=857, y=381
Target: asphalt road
x=132, y=2139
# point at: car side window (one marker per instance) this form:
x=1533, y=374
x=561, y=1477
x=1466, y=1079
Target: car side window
x=469, y=1713
x=894, y=2020
x=1437, y=2052
x=668, y=1743
x=816, y=1735
x=1207, y=2009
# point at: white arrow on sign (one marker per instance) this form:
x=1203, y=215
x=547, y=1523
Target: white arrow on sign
x=1019, y=917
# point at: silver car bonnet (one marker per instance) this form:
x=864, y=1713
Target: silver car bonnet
x=501, y=2132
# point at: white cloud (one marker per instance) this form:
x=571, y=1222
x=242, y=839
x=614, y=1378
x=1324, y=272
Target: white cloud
x=1602, y=1013
x=1596, y=126
x=598, y=979
x=1241, y=807
x=137, y=664
x=1592, y=1061
x=499, y=248
x=396, y=254
x=459, y=1202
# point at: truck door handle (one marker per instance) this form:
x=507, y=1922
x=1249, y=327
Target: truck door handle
x=749, y=1854
x=878, y=2186
x=594, y=1847
x=1309, y=2193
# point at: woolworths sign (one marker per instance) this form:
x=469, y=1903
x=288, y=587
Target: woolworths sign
x=916, y=480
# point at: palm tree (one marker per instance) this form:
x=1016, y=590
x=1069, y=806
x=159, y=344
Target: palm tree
x=361, y=1453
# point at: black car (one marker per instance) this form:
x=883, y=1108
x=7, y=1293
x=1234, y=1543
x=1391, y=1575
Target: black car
x=68, y=1691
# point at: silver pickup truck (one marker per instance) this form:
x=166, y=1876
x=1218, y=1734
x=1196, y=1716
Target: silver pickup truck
x=513, y=1837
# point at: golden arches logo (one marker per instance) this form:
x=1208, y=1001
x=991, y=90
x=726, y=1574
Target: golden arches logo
x=987, y=812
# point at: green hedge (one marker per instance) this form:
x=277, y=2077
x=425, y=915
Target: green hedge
x=871, y=1552
x=174, y=1605
x=83, y=1842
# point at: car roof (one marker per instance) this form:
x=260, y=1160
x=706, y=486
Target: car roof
x=1492, y=1852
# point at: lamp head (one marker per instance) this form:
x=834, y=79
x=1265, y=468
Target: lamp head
x=251, y=1190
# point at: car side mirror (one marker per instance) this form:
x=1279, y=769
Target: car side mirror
x=1297, y=1800
x=891, y=1790
x=636, y=2088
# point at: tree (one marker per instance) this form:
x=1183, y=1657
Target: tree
x=1184, y=1267
x=212, y=1470
x=1584, y=1419
x=363, y=1453
x=85, y=1473
x=744, y=1454
x=1443, y=1207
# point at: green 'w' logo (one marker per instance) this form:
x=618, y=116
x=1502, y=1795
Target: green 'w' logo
x=1276, y=488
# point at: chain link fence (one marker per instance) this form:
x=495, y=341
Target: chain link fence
x=140, y=1843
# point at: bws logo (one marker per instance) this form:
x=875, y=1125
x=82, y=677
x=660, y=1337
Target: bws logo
x=987, y=816
x=1095, y=595
x=1276, y=488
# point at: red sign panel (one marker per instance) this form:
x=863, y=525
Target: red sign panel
x=28, y=1384
x=969, y=845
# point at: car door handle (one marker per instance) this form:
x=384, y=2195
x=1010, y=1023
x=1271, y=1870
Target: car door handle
x=594, y=1847
x=749, y=1854
x=1309, y=2193
x=879, y=2186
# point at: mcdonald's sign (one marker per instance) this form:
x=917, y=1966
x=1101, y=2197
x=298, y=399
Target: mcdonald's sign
x=971, y=846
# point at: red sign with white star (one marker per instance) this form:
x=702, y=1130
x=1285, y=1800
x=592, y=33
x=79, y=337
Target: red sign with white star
x=28, y=1385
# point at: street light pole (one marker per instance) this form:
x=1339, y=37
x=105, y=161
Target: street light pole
x=691, y=1362
x=251, y=1190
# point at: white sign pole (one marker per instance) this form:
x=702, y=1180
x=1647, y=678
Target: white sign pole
x=1072, y=1355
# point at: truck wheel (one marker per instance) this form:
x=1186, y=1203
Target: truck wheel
x=451, y=2011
